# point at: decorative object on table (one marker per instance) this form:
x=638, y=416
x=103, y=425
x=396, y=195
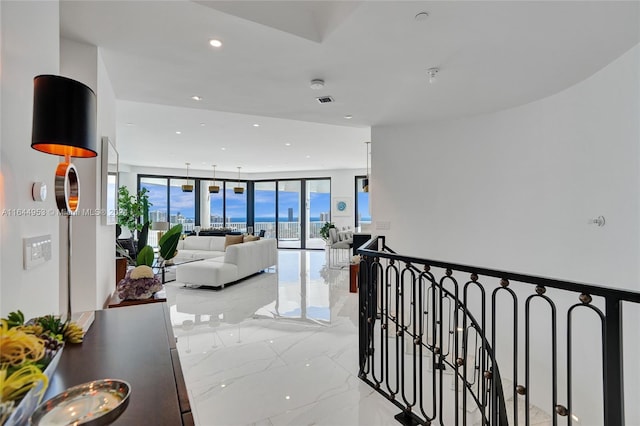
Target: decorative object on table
x=324, y=231
x=238, y=189
x=365, y=181
x=64, y=123
x=139, y=283
x=99, y=402
x=197, y=229
x=187, y=187
x=29, y=354
x=342, y=206
x=214, y=189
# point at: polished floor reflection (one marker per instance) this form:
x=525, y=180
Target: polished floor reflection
x=279, y=348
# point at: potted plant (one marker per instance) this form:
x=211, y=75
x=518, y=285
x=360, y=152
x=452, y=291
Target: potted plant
x=130, y=209
x=324, y=231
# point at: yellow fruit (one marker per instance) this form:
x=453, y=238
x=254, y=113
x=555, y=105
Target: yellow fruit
x=73, y=333
x=19, y=383
x=16, y=346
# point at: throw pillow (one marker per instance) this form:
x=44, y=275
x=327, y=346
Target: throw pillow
x=230, y=240
x=250, y=238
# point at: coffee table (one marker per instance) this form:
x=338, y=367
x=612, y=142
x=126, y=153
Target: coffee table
x=175, y=262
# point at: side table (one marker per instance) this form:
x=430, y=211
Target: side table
x=116, y=302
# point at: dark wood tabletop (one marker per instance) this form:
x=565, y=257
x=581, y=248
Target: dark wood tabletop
x=135, y=344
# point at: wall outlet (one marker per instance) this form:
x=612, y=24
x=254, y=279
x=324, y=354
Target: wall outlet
x=36, y=250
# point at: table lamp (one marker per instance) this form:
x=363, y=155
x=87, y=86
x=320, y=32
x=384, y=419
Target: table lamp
x=64, y=124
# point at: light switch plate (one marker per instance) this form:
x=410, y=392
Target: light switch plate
x=36, y=250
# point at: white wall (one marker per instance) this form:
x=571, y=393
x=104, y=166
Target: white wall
x=93, y=259
x=514, y=190
x=30, y=47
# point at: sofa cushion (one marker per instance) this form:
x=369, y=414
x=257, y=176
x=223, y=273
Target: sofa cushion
x=232, y=239
x=196, y=243
x=248, y=238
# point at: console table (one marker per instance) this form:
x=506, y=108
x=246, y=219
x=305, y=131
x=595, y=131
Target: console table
x=135, y=344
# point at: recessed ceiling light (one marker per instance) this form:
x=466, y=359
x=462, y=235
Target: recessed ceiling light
x=287, y=144
x=348, y=116
x=308, y=156
x=130, y=124
x=196, y=98
x=215, y=42
x=317, y=84
x=202, y=124
x=178, y=132
x=223, y=148
x=287, y=397
x=421, y=16
x=432, y=73
x=256, y=125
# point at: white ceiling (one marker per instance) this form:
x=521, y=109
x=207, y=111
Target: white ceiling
x=373, y=56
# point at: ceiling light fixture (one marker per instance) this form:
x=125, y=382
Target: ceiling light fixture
x=196, y=98
x=348, y=116
x=238, y=189
x=317, y=84
x=178, y=132
x=215, y=43
x=287, y=144
x=422, y=16
x=365, y=181
x=187, y=187
x=256, y=125
x=214, y=189
x=432, y=73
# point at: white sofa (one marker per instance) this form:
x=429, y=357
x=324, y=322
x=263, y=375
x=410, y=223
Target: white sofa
x=219, y=268
x=193, y=247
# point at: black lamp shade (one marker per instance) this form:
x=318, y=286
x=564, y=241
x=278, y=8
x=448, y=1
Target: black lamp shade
x=64, y=117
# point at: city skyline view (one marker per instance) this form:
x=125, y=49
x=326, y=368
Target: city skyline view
x=182, y=204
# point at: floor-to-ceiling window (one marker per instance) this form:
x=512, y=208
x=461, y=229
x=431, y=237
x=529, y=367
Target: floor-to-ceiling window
x=289, y=212
x=216, y=205
x=157, y=190
x=363, y=215
x=236, y=206
x=264, y=201
x=182, y=205
x=318, y=208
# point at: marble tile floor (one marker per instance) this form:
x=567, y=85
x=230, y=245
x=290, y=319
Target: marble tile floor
x=279, y=348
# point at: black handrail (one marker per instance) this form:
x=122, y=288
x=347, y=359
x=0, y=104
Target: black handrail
x=613, y=392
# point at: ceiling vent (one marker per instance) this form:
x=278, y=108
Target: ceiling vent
x=325, y=99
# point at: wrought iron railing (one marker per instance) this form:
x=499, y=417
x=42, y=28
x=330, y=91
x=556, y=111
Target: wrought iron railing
x=427, y=340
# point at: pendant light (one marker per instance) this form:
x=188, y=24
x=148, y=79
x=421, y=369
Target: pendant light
x=214, y=189
x=365, y=181
x=187, y=187
x=238, y=189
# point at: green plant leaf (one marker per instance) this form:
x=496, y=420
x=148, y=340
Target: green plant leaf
x=169, y=242
x=145, y=256
x=176, y=229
